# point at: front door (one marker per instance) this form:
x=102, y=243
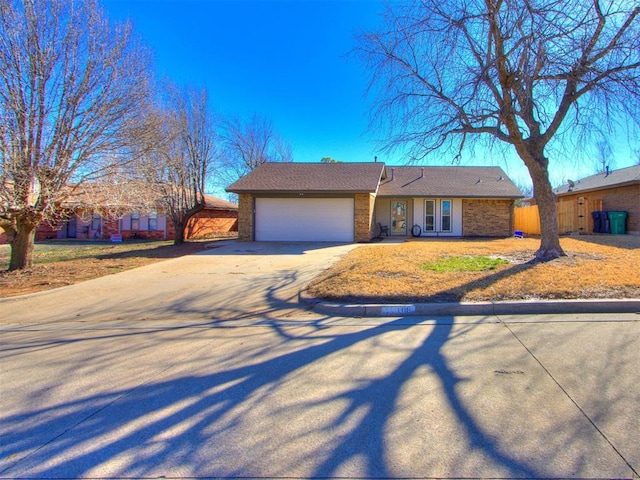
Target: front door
x=398, y=218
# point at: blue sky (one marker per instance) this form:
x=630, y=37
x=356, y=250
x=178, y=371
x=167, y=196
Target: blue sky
x=289, y=61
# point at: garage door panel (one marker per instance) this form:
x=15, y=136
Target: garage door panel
x=304, y=219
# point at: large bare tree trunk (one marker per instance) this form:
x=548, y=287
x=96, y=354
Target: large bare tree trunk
x=21, y=238
x=179, y=236
x=545, y=198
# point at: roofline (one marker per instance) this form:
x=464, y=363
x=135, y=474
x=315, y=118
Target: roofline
x=294, y=192
x=601, y=187
x=444, y=195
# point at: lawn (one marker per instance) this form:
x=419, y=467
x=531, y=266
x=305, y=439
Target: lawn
x=440, y=270
x=436, y=270
x=61, y=263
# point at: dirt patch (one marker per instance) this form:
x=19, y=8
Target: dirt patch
x=595, y=267
x=57, y=264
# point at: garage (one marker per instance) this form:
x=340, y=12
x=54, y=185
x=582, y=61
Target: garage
x=304, y=219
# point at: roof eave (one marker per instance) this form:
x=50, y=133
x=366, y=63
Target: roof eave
x=601, y=187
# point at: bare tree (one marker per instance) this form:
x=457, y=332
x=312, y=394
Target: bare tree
x=248, y=144
x=69, y=85
x=522, y=73
x=176, y=151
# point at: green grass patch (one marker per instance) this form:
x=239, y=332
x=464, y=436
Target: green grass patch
x=464, y=264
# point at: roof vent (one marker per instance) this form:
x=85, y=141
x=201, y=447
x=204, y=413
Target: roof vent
x=392, y=174
x=479, y=181
x=422, y=173
x=571, y=185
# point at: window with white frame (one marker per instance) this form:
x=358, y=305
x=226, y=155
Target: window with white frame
x=95, y=222
x=153, y=221
x=430, y=216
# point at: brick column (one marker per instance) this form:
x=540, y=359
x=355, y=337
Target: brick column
x=245, y=217
x=363, y=218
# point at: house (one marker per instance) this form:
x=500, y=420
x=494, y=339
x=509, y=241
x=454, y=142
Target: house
x=617, y=190
x=346, y=202
x=218, y=217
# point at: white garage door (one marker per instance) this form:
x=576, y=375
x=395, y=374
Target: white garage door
x=304, y=219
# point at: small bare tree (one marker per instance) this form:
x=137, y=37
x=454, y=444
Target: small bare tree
x=523, y=73
x=248, y=144
x=604, y=161
x=176, y=151
x=70, y=83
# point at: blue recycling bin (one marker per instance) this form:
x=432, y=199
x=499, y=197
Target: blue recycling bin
x=604, y=219
x=597, y=222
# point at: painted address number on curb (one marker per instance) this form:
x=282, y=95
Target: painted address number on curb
x=398, y=310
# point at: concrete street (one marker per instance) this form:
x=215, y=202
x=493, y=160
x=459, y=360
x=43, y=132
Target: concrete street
x=208, y=366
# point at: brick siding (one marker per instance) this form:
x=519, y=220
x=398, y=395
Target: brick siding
x=245, y=217
x=363, y=217
x=487, y=218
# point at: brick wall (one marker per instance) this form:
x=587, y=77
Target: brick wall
x=46, y=231
x=109, y=227
x=208, y=223
x=363, y=217
x=245, y=217
x=487, y=218
x=620, y=199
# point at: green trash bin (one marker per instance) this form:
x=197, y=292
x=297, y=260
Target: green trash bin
x=617, y=222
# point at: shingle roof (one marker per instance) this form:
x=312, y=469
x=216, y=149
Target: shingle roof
x=218, y=204
x=311, y=177
x=98, y=194
x=599, y=181
x=430, y=181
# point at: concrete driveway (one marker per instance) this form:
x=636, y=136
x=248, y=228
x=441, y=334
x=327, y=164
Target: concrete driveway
x=205, y=367
x=228, y=281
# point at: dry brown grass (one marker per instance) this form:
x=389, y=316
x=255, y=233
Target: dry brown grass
x=595, y=267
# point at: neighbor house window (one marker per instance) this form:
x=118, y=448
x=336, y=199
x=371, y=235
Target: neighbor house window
x=135, y=221
x=95, y=222
x=430, y=216
x=445, y=215
x=153, y=221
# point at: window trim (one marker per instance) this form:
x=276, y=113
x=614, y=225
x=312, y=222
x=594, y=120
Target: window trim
x=433, y=215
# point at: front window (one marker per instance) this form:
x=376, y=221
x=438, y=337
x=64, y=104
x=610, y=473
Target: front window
x=153, y=221
x=430, y=216
x=135, y=221
x=95, y=222
x=445, y=215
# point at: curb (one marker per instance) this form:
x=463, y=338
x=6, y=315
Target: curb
x=525, y=307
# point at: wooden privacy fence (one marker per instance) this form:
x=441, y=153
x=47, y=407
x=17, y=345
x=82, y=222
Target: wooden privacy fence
x=573, y=217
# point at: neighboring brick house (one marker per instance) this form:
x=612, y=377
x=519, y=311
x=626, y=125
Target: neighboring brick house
x=218, y=217
x=346, y=202
x=619, y=190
